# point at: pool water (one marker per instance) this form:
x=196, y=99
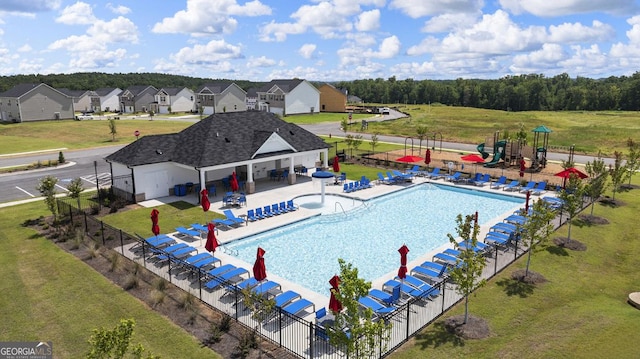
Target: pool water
x=369, y=235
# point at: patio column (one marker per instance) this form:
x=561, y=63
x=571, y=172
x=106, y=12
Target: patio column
x=325, y=162
x=250, y=185
x=292, y=172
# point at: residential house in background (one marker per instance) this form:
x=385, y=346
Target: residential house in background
x=81, y=99
x=332, y=99
x=34, y=102
x=252, y=99
x=174, y=99
x=219, y=97
x=137, y=99
x=106, y=99
x=289, y=97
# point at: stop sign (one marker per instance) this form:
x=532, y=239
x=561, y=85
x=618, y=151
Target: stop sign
x=136, y=133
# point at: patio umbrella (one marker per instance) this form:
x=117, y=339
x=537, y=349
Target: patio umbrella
x=204, y=199
x=402, y=272
x=334, y=305
x=212, y=241
x=234, y=182
x=472, y=157
x=427, y=157
x=336, y=164
x=410, y=159
x=259, y=270
x=523, y=167
x=154, y=222
x=568, y=172
x=526, y=203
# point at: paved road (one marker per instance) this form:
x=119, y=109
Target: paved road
x=22, y=185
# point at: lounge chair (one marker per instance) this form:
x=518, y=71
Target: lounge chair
x=453, y=178
x=496, y=238
x=516, y=219
x=375, y=306
x=195, y=258
x=529, y=187
x=415, y=170
x=259, y=213
x=221, y=270
x=233, y=276
x=157, y=252
x=275, y=209
x=224, y=222
x=187, y=232
x=402, y=176
x=512, y=186
x=540, y=188
x=486, y=178
x=267, y=211
x=283, y=207
x=346, y=189
x=504, y=227
x=501, y=182
x=290, y=206
x=263, y=288
x=381, y=296
x=251, y=215
x=232, y=217
x=445, y=258
x=427, y=289
x=160, y=241
x=426, y=273
x=441, y=269
x=285, y=298
x=176, y=252
x=206, y=262
x=383, y=180
x=199, y=227
x=406, y=289
x=299, y=306
x=435, y=174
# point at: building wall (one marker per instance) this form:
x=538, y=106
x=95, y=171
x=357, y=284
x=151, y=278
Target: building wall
x=332, y=100
x=45, y=103
x=231, y=101
x=305, y=98
x=184, y=101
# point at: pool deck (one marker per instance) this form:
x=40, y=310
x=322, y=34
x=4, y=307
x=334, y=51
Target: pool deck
x=271, y=192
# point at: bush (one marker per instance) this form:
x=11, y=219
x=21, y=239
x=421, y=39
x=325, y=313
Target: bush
x=131, y=281
x=225, y=323
x=61, y=159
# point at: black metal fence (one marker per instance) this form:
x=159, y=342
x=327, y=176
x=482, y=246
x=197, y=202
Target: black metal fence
x=297, y=335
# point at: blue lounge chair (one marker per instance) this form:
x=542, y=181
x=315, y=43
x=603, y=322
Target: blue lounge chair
x=291, y=206
x=297, y=307
x=445, y=258
x=183, y=252
x=187, y=232
x=232, y=217
x=454, y=177
x=498, y=240
x=259, y=213
x=265, y=287
x=441, y=269
x=233, y=276
x=275, y=209
x=283, y=207
x=504, y=227
x=426, y=289
x=382, y=180
x=285, y=298
x=415, y=170
x=375, y=306
x=529, y=187
x=224, y=222
x=426, y=273
x=195, y=258
x=251, y=215
x=512, y=186
x=501, y=182
x=540, y=188
x=486, y=178
x=176, y=252
x=199, y=227
x=345, y=188
x=402, y=176
x=267, y=211
x=435, y=174
x=164, y=251
x=160, y=241
x=206, y=262
x=516, y=219
x=247, y=283
x=381, y=296
x=404, y=288
x=221, y=270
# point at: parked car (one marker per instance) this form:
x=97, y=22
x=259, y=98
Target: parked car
x=84, y=117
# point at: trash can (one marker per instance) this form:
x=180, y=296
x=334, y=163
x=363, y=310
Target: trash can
x=176, y=190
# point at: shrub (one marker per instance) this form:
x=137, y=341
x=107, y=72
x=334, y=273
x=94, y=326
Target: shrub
x=114, y=260
x=225, y=323
x=131, y=281
x=160, y=284
x=158, y=298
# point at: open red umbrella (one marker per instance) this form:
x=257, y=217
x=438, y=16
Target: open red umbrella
x=154, y=222
x=234, y=182
x=259, y=270
x=523, y=167
x=334, y=305
x=472, y=157
x=568, y=173
x=427, y=157
x=402, y=271
x=204, y=199
x=410, y=159
x=212, y=241
x=336, y=164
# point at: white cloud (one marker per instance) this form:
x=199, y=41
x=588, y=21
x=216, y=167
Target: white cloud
x=203, y=17
x=261, y=61
x=546, y=8
x=30, y=6
x=547, y=57
x=427, y=45
x=368, y=20
x=25, y=48
x=79, y=13
x=421, y=8
x=389, y=48
x=213, y=52
x=118, y=9
x=629, y=53
x=576, y=32
x=306, y=50
x=450, y=22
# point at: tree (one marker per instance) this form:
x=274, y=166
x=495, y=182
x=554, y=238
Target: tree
x=75, y=188
x=374, y=142
x=356, y=142
x=61, y=159
x=421, y=132
x=47, y=188
x=112, y=129
x=571, y=197
x=115, y=343
x=522, y=134
x=364, y=333
x=617, y=173
x=536, y=229
x=349, y=142
x=344, y=125
x=633, y=158
x=151, y=114
x=597, y=172
x=467, y=272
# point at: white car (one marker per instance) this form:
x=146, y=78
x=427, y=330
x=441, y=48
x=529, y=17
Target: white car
x=84, y=117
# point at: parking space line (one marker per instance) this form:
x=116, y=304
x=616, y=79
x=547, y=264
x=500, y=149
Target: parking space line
x=63, y=188
x=25, y=192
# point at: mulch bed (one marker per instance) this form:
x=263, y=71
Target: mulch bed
x=570, y=244
x=194, y=317
x=532, y=278
x=475, y=328
x=593, y=220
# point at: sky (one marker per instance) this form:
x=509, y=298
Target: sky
x=322, y=40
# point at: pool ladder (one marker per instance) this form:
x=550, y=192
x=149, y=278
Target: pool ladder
x=335, y=209
x=231, y=251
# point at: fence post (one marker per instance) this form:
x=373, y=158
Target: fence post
x=86, y=224
x=408, y=314
x=311, y=339
x=444, y=291
x=280, y=327
x=495, y=266
x=102, y=233
x=200, y=283
x=169, y=271
x=121, y=242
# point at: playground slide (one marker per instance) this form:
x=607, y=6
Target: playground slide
x=498, y=153
x=484, y=153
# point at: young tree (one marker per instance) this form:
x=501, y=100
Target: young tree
x=115, y=343
x=356, y=142
x=364, y=333
x=571, y=197
x=468, y=270
x=61, y=159
x=344, y=126
x=421, y=132
x=374, y=142
x=349, y=142
x=617, y=173
x=536, y=229
x=75, y=189
x=522, y=134
x=598, y=174
x=112, y=129
x=47, y=188
x=633, y=158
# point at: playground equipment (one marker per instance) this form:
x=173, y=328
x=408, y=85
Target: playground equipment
x=503, y=151
x=539, y=150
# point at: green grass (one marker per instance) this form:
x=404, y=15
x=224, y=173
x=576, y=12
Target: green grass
x=581, y=312
x=50, y=295
x=325, y=117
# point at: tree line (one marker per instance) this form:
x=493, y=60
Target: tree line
x=532, y=92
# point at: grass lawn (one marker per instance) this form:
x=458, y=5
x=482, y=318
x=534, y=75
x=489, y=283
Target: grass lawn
x=50, y=295
x=581, y=312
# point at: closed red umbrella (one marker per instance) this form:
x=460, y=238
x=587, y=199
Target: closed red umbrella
x=526, y=204
x=523, y=167
x=259, y=270
x=212, y=241
x=402, y=272
x=334, y=305
x=234, y=182
x=336, y=164
x=155, y=228
x=204, y=200
x=427, y=157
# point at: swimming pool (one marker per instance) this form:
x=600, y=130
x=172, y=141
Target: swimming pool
x=369, y=236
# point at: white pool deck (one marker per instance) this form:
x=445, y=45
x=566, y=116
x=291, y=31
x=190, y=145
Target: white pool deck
x=269, y=193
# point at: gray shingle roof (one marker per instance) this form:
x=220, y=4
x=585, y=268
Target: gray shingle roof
x=21, y=89
x=219, y=139
x=216, y=87
x=285, y=85
x=104, y=91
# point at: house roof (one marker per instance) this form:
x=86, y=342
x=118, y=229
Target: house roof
x=73, y=93
x=215, y=87
x=171, y=91
x=104, y=91
x=219, y=139
x=286, y=85
x=22, y=89
x=138, y=89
